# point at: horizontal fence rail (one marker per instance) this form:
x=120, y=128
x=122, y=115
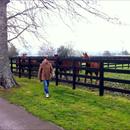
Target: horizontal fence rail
x=76, y=71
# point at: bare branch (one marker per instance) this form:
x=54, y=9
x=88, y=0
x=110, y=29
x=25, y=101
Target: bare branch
x=21, y=13
x=32, y=16
x=96, y=12
x=18, y=34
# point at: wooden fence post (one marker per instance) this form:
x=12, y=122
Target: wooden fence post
x=29, y=68
x=115, y=66
x=56, y=71
x=122, y=66
x=101, y=83
x=74, y=75
x=108, y=65
x=19, y=67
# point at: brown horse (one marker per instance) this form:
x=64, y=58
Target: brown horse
x=21, y=62
x=94, y=65
x=67, y=66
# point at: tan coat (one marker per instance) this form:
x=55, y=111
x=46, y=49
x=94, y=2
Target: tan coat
x=45, y=70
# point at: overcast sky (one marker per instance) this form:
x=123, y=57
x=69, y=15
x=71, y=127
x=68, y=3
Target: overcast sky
x=93, y=34
x=97, y=34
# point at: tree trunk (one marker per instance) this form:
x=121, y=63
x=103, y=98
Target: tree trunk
x=6, y=76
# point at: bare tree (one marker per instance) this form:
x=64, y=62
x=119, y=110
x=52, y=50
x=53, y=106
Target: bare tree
x=65, y=51
x=33, y=13
x=106, y=53
x=28, y=18
x=125, y=52
x=6, y=77
x=46, y=49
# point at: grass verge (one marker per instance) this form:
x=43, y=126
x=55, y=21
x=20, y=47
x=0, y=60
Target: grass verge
x=78, y=109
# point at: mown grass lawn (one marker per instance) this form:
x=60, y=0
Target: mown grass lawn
x=78, y=109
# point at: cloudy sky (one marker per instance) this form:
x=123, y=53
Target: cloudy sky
x=93, y=34
x=97, y=34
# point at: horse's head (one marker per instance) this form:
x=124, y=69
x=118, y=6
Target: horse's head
x=85, y=55
x=24, y=56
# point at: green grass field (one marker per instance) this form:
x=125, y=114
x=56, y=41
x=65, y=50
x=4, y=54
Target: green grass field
x=79, y=109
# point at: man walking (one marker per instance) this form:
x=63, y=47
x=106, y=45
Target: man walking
x=45, y=73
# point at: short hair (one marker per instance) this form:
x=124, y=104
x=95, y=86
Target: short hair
x=45, y=57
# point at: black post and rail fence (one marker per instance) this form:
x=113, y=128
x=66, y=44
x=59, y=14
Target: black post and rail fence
x=111, y=65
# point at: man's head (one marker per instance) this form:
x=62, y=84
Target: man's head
x=45, y=57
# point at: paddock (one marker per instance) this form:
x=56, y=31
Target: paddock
x=114, y=72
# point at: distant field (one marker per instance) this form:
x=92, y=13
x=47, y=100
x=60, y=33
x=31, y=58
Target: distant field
x=79, y=109
x=106, y=74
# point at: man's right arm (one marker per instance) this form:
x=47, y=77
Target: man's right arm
x=39, y=72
